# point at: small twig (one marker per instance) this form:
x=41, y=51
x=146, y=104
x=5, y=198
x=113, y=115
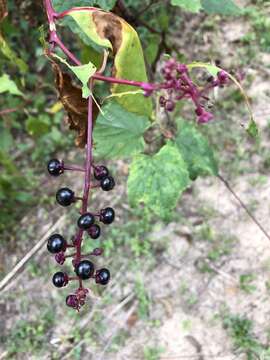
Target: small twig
x=195, y=343
x=3, y=355
x=116, y=329
x=18, y=268
x=147, y=7
x=8, y=111
x=244, y=206
x=134, y=19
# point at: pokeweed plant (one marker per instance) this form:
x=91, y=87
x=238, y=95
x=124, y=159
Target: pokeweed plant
x=123, y=116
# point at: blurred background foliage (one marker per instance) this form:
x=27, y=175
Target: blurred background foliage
x=31, y=126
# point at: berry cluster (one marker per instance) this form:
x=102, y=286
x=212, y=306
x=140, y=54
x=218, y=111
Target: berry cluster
x=87, y=224
x=178, y=85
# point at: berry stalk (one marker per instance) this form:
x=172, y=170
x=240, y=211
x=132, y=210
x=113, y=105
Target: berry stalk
x=88, y=168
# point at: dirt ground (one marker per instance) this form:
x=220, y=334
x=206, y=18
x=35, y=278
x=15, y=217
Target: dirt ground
x=178, y=298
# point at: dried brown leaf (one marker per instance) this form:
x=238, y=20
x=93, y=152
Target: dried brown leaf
x=70, y=95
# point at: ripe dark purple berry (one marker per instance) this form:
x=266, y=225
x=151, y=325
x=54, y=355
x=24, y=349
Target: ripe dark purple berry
x=60, y=279
x=107, y=215
x=169, y=106
x=222, y=77
x=56, y=243
x=102, y=276
x=100, y=172
x=65, y=197
x=107, y=183
x=55, y=167
x=85, y=269
x=85, y=221
x=94, y=231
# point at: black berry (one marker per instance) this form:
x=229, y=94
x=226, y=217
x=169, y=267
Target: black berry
x=107, y=183
x=94, y=231
x=55, y=167
x=65, y=197
x=107, y=215
x=60, y=279
x=56, y=243
x=102, y=276
x=85, y=221
x=84, y=269
x=100, y=172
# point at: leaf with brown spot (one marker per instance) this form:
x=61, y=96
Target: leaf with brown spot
x=3, y=9
x=70, y=95
x=109, y=31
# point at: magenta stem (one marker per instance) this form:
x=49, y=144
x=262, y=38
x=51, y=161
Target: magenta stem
x=73, y=168
x=74, y=9
x=51, y=13
x=7, y=111
x=82, y=255
x=55, y=39
x=192, y=90
x=88, y=168
x=88, y=165
x=123, y=81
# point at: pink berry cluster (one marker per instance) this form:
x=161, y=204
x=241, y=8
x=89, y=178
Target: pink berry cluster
x=178, y=85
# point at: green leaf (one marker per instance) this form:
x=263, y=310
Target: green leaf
x=189, y=5
x=12, y=56
x=37, y=126
x=158, y=181
x=82, y=72
x=62, y=5
x=225, y=7
x=8, y=85
x=123, y=41
x=119, y=133
x=212, y=69
x=252, y=129
x=195, y=150
x=151, y=50
x=78, y=30
x=6, y=139
x=163, y=19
